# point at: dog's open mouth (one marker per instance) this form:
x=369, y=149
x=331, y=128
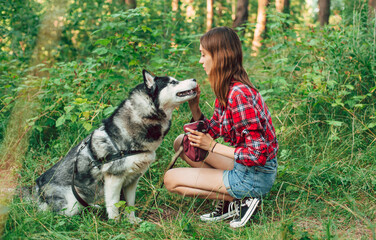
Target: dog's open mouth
x=186, y=93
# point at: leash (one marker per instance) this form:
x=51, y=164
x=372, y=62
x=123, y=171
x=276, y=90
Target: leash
x=109, y=158
x=161, y=183
x=170, y=166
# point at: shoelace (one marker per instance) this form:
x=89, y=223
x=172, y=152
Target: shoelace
x=219, y=207
x=234, y=205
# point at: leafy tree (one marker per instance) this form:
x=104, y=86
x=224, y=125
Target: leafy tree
x=20, y=21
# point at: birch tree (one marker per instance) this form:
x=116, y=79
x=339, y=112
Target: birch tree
x=175, y=5
x=260, y=26
x=209, y=14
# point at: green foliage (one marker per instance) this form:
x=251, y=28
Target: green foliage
x=19, y=21
x=134, y=38
x=330, y=71
x=318, y=83
x=82, y=18
x=79, y=94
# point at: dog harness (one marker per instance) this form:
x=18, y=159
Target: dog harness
x=97, y=162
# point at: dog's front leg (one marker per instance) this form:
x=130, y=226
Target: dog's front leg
x=130, y=197
x=112, y=188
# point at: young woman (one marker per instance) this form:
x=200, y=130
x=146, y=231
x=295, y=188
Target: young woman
x=238, y=175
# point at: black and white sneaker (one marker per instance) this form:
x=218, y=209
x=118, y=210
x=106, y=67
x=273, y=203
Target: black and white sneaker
x=223, y=210
x=244, y=210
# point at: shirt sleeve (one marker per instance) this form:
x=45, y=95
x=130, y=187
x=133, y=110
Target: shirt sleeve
x=248, y=124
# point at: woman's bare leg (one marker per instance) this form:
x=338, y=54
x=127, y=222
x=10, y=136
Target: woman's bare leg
x=197, y=182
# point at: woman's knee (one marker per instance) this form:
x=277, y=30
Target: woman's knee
x=169, y=180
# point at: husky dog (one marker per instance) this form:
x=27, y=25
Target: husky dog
x=114, y=156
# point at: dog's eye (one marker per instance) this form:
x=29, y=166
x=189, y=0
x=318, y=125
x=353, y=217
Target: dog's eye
x=174, y=82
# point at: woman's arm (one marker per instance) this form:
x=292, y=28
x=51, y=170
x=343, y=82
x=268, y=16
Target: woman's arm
x=206, y=142
x=224, y=150
x=213, y=127
x=194, y=105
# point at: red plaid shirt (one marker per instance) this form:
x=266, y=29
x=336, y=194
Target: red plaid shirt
x=246, y=124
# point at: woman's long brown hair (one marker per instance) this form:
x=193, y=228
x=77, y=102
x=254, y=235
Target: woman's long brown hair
x=224, y=46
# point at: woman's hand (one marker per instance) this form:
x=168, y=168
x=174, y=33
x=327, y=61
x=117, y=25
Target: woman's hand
x=194, y=104
x=200, y=140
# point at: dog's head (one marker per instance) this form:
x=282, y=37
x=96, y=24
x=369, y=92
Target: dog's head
x=168, y=92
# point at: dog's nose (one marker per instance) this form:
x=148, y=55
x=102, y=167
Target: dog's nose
x=194, y=80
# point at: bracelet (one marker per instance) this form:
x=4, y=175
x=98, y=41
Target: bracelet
x=214, y=146
x=211, y=143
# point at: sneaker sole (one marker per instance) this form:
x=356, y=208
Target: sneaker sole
x=247, y=215
x=220, y=218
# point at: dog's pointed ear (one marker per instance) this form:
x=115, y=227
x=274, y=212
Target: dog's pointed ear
x=148, y=79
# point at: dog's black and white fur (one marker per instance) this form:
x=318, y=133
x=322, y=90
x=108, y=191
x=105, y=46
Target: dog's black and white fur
x=139, y=124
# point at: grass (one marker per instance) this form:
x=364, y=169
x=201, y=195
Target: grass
x=326, y=184
x=321, y=191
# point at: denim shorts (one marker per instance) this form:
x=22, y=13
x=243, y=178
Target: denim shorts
x=256, y=181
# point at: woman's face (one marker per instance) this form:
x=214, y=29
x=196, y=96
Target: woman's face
x=206, y=60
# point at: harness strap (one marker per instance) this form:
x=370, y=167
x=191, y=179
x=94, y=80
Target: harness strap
x=113, y=143
x=119, y=155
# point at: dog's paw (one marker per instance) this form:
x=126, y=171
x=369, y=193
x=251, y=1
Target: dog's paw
x=114, y=216
x=116, y=219
x=133, y=219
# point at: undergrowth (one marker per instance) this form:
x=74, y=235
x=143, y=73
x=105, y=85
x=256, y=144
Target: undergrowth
x=318, y=83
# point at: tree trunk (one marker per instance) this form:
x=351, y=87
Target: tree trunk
x=175, y=5
x=233, y=9
x=324, y=12
x=241, y=13
x=209, y=14
x=190, y=10
x=282, y=6
x=372, y=9
x=131, y=4
x=372, y=3
x=260, y=26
